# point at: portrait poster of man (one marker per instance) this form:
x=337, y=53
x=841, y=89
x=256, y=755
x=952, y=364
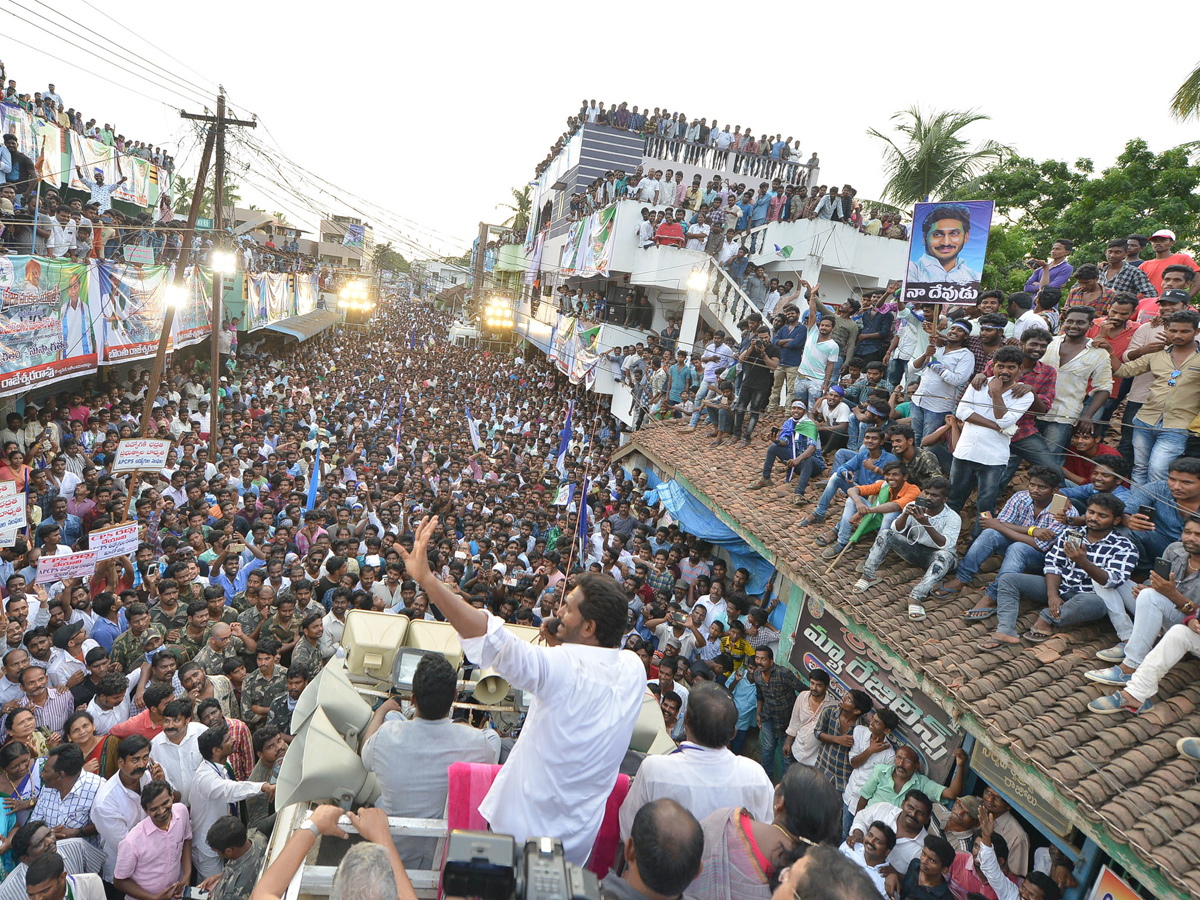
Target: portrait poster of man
x=946, y=251
x=46, y=327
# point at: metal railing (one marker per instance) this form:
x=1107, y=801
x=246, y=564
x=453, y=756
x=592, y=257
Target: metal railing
x=749, y=165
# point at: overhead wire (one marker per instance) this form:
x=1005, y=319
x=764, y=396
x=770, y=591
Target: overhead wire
x=136, y=74
x=125, y=28
x=112, y=48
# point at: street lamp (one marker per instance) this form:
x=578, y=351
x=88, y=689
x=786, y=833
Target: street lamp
x=225, y=263
x=176, y=295
x=698, y=280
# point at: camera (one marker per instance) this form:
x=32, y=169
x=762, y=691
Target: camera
x=489, y=866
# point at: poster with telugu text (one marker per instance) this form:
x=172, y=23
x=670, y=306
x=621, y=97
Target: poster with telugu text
x=46, y=323
x=129, y=304
x=69, y=565
x=946, y=251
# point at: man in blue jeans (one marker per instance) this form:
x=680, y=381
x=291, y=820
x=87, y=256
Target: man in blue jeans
x=989, y=417
x=1022, y=532
x=1086, y=577
x=778, y=688
x=798, y=447
x=850, y=468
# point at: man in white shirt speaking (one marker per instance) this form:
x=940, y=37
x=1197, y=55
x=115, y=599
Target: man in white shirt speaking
x=703, y=775
x=586, y=698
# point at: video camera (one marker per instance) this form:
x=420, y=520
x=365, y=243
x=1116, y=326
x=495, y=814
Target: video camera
x=488, y=866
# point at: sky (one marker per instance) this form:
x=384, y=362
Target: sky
x=421, y=117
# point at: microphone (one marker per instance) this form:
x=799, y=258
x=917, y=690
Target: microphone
x=552, y=623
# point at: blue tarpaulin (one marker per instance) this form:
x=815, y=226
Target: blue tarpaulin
x=696, y=518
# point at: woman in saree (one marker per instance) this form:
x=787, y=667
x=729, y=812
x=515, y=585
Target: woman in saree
x=743, y=856
x=99, y=750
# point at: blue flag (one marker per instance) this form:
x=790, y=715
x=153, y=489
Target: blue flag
x=399, y=426
x=583, y=523
x=412, y=341
x=473, y=427
x=566, y=440
x=314, y=482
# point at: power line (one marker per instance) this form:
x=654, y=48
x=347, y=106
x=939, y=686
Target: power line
x=87, y=71
x=109, y=49
x=43, y=31
x=148, y=43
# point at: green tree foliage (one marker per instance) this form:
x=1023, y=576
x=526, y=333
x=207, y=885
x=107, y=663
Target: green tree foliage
x=1186, y=102
x=1141, y=192
x=1008, y=248
x=519, y=220
x=389, y=258
x=929, y=159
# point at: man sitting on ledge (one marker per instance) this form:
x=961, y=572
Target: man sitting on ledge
x=924, y=534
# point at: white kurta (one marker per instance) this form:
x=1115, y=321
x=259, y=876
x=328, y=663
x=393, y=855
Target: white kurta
x=585, y=703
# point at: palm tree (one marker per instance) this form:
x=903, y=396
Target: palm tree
x=183, y=194
x=522, y=202
x=1186, y=102
x=281, y=218
x=932, y=160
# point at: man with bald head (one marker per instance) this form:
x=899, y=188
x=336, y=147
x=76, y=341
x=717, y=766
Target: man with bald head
x=662, y=854
x=222, y=644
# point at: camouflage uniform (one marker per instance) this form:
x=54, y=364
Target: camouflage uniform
x=190, y=646
x=229, y=615
x=178, y=620
x=310, y=657
x=213, y=661
x=281, y=714
x=127, y=649
x=240, y=875
x=259, y=691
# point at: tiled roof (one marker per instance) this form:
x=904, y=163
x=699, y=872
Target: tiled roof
x=1119, y=778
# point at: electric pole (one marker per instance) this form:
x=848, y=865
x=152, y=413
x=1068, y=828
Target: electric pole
x=160, y=355
x=217, y=125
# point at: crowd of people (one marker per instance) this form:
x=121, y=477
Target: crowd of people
x=48, y=106
x=695, y=142
x=143, y=701
x=140, y=702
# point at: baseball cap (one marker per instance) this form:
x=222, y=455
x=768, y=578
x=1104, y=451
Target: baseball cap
x=674, y=642
x=1163, y=233
x=1176, y=296
x=64, y=634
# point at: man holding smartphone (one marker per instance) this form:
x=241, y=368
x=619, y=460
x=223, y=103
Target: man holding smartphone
x=924, y=534
x=1171, y=593
x=1180, y=640
x=1086, y=577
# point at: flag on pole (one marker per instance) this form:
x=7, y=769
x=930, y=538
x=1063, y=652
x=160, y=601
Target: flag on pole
x=412, y=340
x=566, y=440
x=565, y=494
x=314, y=482
x=473, y=427
x=583, y=522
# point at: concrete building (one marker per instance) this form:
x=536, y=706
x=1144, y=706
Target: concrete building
x=844, y=261
x=330, y=250
x=429, y=276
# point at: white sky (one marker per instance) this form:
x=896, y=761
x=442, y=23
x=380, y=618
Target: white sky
x=434, y=110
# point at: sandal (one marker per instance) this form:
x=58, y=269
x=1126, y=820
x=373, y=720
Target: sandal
x=814, y=519
x=824, y=540
x=916, y=612
x=993, y=643
x=864, y=584
x=979, y=613
x=944, y=593
x=1036, y=637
